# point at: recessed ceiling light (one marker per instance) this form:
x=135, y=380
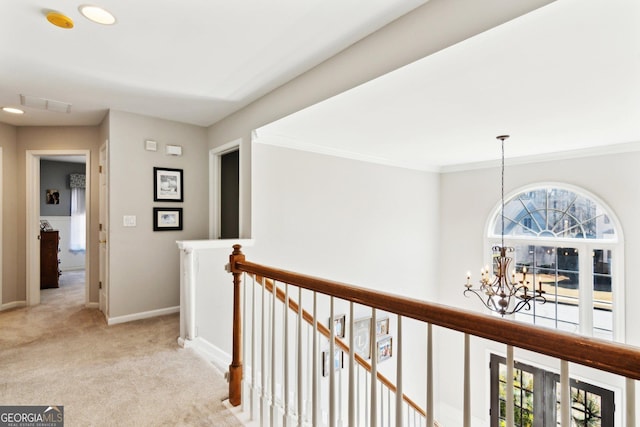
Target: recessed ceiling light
x=59, y=20
x=12, y=110
x=97, y=14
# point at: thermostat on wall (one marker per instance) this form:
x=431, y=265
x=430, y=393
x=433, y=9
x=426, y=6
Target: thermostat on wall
x=174, y=150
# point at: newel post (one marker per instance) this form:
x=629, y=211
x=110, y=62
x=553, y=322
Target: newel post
x=235, y=369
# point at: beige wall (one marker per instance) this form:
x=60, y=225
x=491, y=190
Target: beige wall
x=144, y=265
x=57, y=138
x=8, y=142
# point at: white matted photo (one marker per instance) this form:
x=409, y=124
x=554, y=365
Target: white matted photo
x=167, y=219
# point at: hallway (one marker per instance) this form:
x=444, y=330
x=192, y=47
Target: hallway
x=61, y=353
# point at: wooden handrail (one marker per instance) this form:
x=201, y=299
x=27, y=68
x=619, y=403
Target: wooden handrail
x=616, y=358
x=308, y=317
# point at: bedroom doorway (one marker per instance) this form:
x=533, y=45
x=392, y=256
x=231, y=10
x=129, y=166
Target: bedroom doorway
x=56, y=205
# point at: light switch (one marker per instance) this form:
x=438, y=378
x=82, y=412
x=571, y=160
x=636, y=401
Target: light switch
x=129, y=220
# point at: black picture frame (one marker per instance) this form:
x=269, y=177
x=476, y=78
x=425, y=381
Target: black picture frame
x=168, y=185
x=167, y=219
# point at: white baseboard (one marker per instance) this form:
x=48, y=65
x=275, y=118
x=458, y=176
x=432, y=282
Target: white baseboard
x=14, y=304
x=142, y=315
x=91, y=305
x=209, y=352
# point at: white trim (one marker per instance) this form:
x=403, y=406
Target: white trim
x=283, y=141
x=627, y=147
x=142, y=315
x=13, y=304
x=91, y=305
x=209, y=352
x=214, y=188
x=214, y=244
x=33, y=214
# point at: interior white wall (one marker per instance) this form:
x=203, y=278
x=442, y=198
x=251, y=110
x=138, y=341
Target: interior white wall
x=467, y=199
x=349, y=221
x=144, y=265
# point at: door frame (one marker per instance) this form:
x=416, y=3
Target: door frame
x=32, y=225
x=214, y=189
x=103, y=233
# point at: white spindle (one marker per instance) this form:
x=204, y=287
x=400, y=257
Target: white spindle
x=374, y=370
x=565, y=394
x=466, y=422
x=263, y=368
x=366, y=400
x=285, y=359
x=399, y=374
x=630, y=390
x=352, y=391
x=253, y=350
x=243, y=382
x=300, y=368
x=331, y=365
x=509, y=387
x=314, y=391
x=429, y=406
x=273, y=356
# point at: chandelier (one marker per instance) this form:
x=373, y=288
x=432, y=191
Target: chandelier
x=497, y=290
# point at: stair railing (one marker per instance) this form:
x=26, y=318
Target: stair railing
x=603, y=355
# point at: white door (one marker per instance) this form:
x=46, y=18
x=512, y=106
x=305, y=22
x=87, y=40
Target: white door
x=103, y=294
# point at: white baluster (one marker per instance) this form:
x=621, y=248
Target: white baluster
x=565, y=394
x=367, y=414
x=509, y=387
x=254, y=371
x=429, y=406
x=332, y=366
x=374, y=370
x=273, y=408
x=263, y=352
x=285, y=359
x=630, y=390
x=352, y=391
x=466, y=422
x=399, y=390
x=243, y=382
x=314, y=391
x=300, y=367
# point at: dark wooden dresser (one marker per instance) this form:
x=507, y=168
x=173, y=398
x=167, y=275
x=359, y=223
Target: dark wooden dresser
x=49, y=261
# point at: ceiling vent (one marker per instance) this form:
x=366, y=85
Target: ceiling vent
x=45, y=104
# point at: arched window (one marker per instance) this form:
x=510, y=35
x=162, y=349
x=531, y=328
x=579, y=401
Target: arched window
x=571, y=246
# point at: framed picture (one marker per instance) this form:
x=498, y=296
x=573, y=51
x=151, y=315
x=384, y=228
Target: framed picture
x=362, y=337
x=338, y=361
x=382, y=326
x=167, y=185
x=384, y=347
x=52, y=196
x=167, y=219
x=339, y=322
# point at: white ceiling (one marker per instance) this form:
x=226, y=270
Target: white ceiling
x=564, y=77
x=193, y=61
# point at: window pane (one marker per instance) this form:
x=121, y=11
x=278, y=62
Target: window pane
x=602, y=295
x=554, y=212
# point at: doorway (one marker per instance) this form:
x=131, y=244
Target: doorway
x=226, y=191
x=39, y=218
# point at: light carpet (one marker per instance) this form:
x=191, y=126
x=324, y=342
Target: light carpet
x=133, y=374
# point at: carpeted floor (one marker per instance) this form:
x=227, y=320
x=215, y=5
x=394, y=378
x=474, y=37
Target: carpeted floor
x=133, y=374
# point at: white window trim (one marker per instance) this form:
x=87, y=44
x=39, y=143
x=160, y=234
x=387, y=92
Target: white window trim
x=584, y=246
